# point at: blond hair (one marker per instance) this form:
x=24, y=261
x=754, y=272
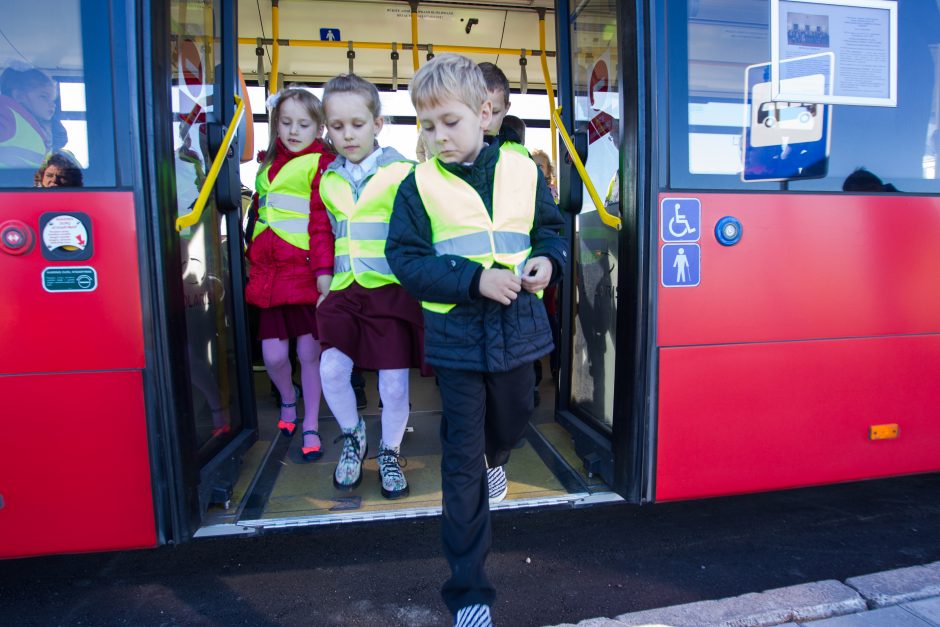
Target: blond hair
x=310, y=102
x=447, y=77
x=354, y=84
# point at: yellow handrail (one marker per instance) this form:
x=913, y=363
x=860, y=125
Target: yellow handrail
x=607, y=218
x=382, y=45
x=549, y=89
x=273, y=86
x=194, y=216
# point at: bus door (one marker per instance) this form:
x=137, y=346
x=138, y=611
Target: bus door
x=75, y=456
x=597, y=44
x=207, y=329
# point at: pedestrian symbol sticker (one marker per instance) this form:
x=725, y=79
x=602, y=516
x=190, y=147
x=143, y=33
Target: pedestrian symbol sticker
x=680, y=219
x=681, y=265
x=329, y=34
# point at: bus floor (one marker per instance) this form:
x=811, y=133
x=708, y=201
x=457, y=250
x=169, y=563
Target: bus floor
x=276, y=488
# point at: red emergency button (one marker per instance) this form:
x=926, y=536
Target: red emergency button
x=16, y=238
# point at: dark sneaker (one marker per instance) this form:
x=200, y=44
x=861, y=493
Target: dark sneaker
x=348, y=471
x=394, y=485
x=499, y=487
x=361, y=400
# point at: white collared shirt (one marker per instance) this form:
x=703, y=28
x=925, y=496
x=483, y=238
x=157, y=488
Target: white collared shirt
x=365, y=168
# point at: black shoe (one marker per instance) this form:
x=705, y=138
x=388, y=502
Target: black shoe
x=361, y=400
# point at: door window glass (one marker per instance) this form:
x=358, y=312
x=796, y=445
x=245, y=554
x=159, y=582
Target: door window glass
x=717, y=55
x=56, y=126
x=595, y=68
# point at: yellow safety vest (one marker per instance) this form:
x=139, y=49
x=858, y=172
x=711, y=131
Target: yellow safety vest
x=284, y=203
x=26, y=148
x=460, y=223
x=361, y=226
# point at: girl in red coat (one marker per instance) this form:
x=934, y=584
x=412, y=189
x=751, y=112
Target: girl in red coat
x=291, y=255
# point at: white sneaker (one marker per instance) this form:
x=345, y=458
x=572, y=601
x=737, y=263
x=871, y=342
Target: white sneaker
x=499, y=487
x=473, y=616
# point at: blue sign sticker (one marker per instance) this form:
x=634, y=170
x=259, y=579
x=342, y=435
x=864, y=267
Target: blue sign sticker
x=681, y=265
x=329, y=34
x=680, y=219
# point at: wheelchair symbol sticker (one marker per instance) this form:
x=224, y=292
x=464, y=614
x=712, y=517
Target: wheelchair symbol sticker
x=680, y=219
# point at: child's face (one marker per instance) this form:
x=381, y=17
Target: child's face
x=500, y=109
x=350, y=125
x=40, y=100
x=452, y=131
x=295, y=127
x=543, y=165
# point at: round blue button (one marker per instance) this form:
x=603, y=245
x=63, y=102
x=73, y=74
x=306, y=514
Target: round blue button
x=728, y=231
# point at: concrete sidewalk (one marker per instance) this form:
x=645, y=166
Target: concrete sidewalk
x=906, y=597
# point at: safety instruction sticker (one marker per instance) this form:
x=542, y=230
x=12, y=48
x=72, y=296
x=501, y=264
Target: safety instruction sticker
x=64, y=231
x=680, y=219
x=681, y=265
x=69, y=279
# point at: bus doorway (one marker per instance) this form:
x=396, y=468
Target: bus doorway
x=274, y=487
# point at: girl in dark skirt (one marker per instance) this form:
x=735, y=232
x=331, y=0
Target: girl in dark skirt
x=367, y=320
x=291, y=255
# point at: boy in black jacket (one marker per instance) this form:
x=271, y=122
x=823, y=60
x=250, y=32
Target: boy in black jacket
x=475, y=236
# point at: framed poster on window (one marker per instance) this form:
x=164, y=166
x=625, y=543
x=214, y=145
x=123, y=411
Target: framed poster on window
x=861, y=35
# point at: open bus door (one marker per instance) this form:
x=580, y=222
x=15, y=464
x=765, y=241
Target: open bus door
x=602, y=384
x=206, y=358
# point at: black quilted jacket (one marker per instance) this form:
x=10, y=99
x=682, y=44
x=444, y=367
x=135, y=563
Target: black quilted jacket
x=478, y=334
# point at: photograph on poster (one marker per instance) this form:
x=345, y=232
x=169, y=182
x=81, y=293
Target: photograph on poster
x=861, y=34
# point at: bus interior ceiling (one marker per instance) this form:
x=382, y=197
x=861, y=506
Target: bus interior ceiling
x=275, y=486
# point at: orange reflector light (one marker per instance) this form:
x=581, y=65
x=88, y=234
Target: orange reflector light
x=883, y=432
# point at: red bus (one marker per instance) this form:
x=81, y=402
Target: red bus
x=748, y=308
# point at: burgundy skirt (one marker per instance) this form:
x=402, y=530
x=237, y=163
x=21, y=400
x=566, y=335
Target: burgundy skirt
x=379, y=329
x=287, y=321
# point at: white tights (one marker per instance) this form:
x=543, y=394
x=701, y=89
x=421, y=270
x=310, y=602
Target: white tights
x=335, y=370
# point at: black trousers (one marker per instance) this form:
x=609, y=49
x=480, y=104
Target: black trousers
x=483, y=413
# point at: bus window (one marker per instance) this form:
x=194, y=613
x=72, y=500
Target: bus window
x=711, y=45
x=55, y=97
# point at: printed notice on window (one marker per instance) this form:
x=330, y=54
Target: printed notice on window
x=861, y=36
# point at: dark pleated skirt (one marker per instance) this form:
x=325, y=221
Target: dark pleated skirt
x=287, y=322
x=379, y=329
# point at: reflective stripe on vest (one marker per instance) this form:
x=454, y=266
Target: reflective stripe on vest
x=517, y=147
x=460, y=223
x=284, y=203
x=360, y=227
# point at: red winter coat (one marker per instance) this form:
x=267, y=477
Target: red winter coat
x=279, y=272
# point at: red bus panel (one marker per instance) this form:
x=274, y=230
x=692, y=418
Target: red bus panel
x=753, y=417
x=821, y=322
x=74, y=468
x=809, y=266
x=62, y=331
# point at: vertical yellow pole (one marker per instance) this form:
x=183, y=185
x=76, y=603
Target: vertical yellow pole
x=549, y=88
x=275, y=29
x=414, y=34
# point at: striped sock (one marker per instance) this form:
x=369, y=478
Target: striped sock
x=474, y=616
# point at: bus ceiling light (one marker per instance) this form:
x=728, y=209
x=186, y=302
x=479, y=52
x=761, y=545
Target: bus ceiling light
x=883, y=432
x=728, y=231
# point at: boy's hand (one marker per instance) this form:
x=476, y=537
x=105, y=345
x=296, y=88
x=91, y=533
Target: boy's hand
x=500, y=285
x=536, y=274
x=323, y=286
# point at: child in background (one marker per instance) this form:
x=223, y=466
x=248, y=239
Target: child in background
x=545, y=164
x=28, y=128
x=497, y=91
x=474, y=236
x=291, y=254
x=368, y=320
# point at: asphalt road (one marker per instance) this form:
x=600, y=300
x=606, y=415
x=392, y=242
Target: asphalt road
x=549, y=566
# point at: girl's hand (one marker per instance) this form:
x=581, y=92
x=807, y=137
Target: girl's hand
x=323, y=286
x=536, y=274
x=500, y=285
